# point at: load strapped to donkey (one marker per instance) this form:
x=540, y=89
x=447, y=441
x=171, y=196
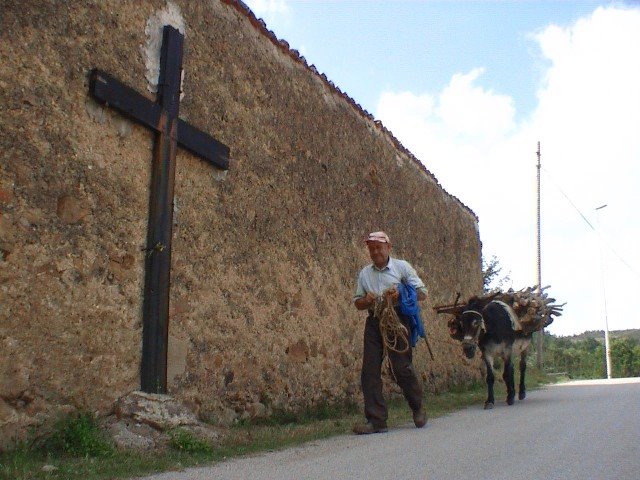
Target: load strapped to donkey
x=532, y=310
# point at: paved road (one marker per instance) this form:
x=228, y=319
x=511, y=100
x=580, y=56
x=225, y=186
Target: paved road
x=577, y=430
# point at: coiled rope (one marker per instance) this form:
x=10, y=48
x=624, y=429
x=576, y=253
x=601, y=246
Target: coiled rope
x=395, y=336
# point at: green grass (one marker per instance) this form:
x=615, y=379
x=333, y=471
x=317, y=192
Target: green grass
x=184, y=441
x=76, y=435
x=76, y=449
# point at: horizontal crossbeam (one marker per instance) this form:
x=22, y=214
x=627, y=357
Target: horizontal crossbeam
x=108, y=90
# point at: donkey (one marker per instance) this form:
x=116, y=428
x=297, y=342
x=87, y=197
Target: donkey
x=493, y=326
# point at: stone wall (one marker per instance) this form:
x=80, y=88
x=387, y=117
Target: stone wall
x=264, y=257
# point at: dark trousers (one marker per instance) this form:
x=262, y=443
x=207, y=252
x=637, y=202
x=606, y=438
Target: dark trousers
x=375, y=407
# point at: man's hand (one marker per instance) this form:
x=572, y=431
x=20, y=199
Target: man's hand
x=370, y=299
x=364, y=303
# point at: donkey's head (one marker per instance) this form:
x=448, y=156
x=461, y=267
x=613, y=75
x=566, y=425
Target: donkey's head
x=471, y=327
x=471, y=324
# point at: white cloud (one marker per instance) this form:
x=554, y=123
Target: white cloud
x=587, y=120
x=270, y=11
x=462, y=112
x=589, y=113
x=464, y=125
x=464, y=108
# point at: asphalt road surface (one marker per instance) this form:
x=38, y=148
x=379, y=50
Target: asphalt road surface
x=588, y=430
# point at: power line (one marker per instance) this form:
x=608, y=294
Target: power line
x=569, y=200
x=589, y=223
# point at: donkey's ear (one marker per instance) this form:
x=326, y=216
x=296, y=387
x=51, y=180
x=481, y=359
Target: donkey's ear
x=475, y=303
x=455, y=328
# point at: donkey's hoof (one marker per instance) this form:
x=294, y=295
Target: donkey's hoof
x=522, y=396
x=488, y=405
x=510, y=401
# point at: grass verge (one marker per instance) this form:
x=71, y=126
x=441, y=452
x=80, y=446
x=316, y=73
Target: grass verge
x=77, y=450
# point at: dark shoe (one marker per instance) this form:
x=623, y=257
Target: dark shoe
x=367, y=428
x=419, y=418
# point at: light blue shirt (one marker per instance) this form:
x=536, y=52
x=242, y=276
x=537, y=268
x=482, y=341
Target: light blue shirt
x=377, y=280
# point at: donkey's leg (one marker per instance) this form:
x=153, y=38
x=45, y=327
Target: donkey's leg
x=522, y=393
x=488, y=362
x=507, y=376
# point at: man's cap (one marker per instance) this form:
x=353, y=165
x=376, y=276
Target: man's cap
x=378, y=237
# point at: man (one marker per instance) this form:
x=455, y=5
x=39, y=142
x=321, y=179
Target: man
x=381, y=279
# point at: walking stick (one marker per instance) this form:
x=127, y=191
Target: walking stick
x=428, y=346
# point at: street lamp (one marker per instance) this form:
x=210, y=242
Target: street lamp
x=607, y=348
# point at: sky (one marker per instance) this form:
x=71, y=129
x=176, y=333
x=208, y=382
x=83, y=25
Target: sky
x=470, y=88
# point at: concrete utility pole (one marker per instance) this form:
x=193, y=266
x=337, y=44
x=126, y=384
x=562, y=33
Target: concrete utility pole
x=540, y=334
x=607, y=349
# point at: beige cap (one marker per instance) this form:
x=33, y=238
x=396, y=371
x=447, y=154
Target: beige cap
x=378, y=237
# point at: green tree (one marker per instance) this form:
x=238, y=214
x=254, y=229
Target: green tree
x=490, y=273
x=577, y=358
x=625, y=357
x=586, y=358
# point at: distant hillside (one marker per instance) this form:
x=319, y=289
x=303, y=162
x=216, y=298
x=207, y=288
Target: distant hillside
x=583, y=356
x=599, y=335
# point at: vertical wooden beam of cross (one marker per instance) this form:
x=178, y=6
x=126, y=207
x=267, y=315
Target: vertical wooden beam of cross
x=161, y=117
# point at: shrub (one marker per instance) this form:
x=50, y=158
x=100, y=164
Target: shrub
x=77, y=435
x=185, y=441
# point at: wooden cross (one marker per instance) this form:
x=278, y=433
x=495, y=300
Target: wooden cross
x=160, y=116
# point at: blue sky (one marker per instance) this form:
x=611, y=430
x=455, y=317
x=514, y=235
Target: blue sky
x=470, y=88
x=418, y=45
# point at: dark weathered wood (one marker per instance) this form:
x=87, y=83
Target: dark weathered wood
x=110, y=91
x=107, y=90
x=203, y=145
x=161, y=117
x=158, y=259
x=449, y=308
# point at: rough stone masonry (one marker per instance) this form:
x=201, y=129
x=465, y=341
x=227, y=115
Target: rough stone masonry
x=264, y=257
